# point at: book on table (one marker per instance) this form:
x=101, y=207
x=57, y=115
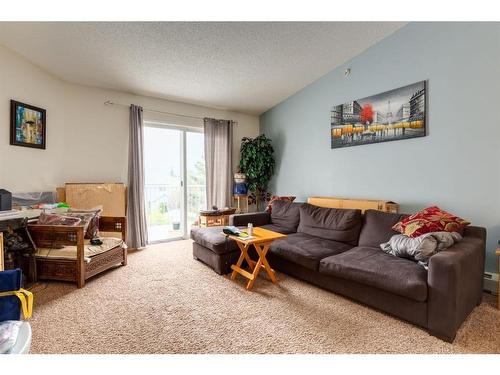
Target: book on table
x=234, y=231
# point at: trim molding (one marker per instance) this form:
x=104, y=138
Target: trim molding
x=491, y=282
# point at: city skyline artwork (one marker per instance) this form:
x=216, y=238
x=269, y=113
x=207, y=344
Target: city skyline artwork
x=389, y=116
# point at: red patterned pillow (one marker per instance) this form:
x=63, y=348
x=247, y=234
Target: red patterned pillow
x=431, y=219
x=92, y=228
x=58, y=219
x=276, y=198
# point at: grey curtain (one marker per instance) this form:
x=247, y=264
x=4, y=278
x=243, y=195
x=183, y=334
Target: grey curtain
x=218, y=162
x=137, y=232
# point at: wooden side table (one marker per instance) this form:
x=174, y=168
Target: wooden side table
x=498, y=253
x=213, y=220
x=220, y=219
x=241, y=201
x=261, y=240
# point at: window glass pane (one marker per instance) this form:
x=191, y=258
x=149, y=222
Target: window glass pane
x=195, y=178
x=163, y=190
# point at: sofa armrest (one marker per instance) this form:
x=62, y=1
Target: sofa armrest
x=455, y=282
x=56, y=235
x=256, y=218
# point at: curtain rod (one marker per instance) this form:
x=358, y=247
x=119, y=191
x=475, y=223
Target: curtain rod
x=109, y=102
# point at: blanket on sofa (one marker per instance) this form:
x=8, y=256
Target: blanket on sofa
x=420, y=248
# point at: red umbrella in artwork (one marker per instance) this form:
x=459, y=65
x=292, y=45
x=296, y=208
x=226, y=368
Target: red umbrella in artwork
x=366, y=114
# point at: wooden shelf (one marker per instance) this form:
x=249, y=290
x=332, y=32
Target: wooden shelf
x=241, y=203
x=213, y=221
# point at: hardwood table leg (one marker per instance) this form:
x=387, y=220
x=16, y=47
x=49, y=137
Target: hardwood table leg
x=255, y=266
x=251, y=263
x=240, y=260
x=255, y=273
x=262, y=251
x=261, y=263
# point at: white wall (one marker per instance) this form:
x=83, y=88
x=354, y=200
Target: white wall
x=86, y=140
x=25, y=169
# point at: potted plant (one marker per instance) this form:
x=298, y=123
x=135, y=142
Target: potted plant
x=257, y=163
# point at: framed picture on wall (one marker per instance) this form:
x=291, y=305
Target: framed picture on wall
x=389, y=116
x=27, y=125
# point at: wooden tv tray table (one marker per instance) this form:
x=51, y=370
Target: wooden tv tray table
x=261, y=240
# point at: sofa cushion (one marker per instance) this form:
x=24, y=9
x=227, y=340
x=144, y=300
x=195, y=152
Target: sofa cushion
x=276, y=228
x=89, y=250
x=269, y=207
x=330, y=223
x=213, y=239
x=373, y=267
x=256, y=218
x=306, y=250
x=431, y=219
x=377, y=227
x=286, y=214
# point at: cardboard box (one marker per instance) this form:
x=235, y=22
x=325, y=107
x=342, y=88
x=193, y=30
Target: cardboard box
x=61, y=194
x=112, y=197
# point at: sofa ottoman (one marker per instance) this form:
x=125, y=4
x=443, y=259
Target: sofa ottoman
x=211, y=247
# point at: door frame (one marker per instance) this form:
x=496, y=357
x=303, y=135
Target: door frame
x=183, y=168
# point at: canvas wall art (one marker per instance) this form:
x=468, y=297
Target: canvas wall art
x=27, y=125
x=390, y=116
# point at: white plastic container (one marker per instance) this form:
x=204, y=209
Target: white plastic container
x=250, y=229
x=23, y=342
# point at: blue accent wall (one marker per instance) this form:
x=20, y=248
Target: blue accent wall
x=456, y=166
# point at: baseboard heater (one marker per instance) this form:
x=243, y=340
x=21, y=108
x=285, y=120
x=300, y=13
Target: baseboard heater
x=491, y=282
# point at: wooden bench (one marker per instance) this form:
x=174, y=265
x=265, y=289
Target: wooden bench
x=77, y=270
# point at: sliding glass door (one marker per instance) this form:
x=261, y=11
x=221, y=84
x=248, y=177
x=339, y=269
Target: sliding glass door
x=175, y=180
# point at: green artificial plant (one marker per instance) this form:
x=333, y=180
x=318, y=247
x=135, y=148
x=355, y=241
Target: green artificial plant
x=257, y=163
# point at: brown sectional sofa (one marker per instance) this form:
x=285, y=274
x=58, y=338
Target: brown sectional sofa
x=338, y=250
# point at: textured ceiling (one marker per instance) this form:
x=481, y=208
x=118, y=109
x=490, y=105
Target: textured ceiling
x=241, y=66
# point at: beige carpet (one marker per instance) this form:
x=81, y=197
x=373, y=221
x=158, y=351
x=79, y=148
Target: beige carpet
x=166, y=302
